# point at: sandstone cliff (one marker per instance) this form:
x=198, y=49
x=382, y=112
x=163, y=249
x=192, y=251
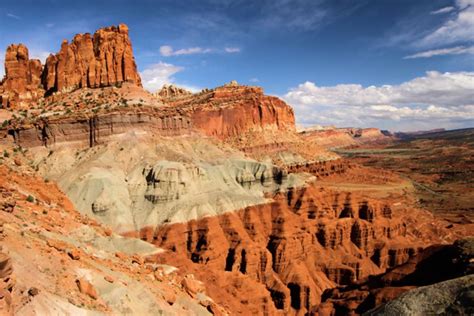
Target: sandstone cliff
x=22, y=82
x=304, y=242
x=234, y=109
x=223, y=112
x=104, y=59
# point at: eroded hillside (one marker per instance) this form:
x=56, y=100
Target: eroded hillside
x=115, y=200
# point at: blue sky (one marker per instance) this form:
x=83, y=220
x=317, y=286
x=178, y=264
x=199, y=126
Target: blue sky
x=396, y=64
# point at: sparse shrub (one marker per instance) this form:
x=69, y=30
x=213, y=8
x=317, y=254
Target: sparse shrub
x=30, y=199
x=5, y=123
x=5, y=153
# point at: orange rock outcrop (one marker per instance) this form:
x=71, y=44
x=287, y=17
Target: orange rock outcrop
x=101, y=60
x=104, y=59
x=222, y=112
x=233, y=109
x=281, y=256
x=171, y=91
x=22, y=81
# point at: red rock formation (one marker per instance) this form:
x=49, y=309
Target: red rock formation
x=22, y=82
x=93, y=130
x=223, y=112
x=171, y=92
x=104, y=59
x=304, y=242
x=233, y=109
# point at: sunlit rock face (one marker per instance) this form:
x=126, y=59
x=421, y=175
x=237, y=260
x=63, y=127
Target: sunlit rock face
x=103, y=59
x=22, y=82
x=89, y=61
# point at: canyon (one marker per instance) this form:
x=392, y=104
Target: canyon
x=126, y=201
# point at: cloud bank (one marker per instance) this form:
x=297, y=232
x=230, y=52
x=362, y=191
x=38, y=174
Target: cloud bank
x=434, y=100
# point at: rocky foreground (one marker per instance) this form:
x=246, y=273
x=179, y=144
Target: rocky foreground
x=115, y=200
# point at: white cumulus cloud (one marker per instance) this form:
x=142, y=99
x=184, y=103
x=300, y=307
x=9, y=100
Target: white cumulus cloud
x=156, y=75
x=434, y=100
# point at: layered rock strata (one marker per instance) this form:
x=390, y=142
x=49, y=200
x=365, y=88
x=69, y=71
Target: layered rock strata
x=234, y=109
x=221, y=113
x=96, y=129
